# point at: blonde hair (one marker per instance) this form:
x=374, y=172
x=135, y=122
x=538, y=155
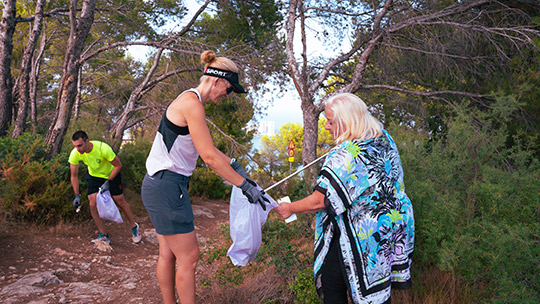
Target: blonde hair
x=209, y=59
x=352, y=118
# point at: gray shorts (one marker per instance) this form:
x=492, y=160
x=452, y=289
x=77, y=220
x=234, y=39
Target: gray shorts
x=165, y=197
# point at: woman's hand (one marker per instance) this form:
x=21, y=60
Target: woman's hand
x=283, y=210
x=310, y=204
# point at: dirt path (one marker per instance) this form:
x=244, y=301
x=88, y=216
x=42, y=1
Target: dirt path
x=61, y=265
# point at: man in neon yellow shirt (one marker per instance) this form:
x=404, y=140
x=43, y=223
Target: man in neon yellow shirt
x=103, y=175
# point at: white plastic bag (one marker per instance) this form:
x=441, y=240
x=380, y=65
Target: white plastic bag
x=106, y=207
x=246, y=220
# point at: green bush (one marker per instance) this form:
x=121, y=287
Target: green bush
x=476, y=204
x=280, y=247
x=502, y=255
x=133, y=157
x=206, y=183
x=34, y=188
x=304, y=288
x=25, y=146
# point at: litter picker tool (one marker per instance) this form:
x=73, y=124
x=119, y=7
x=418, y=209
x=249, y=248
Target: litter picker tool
x=297, y=171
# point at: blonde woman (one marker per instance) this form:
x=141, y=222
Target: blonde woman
x=364, y=230
x=182, y=137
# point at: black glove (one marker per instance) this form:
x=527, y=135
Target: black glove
x=77, y=202
x=238, y=168
x=105, y=187
x=254, y=195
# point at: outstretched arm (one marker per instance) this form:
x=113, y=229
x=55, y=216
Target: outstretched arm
x=74, y=177
x=310, y=204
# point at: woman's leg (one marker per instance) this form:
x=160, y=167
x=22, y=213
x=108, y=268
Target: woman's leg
x=165, y=271
x=186, y=249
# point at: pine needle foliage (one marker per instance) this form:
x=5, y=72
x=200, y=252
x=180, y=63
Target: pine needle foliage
x=33, y=188
x=476, y=202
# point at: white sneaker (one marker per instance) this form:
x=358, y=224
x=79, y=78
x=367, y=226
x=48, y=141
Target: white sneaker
x=137, y=237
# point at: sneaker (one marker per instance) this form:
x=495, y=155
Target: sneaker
x=137, y=237
x=102, y=238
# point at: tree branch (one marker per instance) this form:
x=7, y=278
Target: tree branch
x=53, y=12
x=162, y=77
x=191, y=22
x=417, y=50
x=519, y=31
x=289, y=46
x=449, y=11
x=423, y=93
x=145, y=117
x=165, y=43
x=339, y=12
x=376, y=37
x=238, y=146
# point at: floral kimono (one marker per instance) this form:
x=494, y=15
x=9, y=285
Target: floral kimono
x=368, y=210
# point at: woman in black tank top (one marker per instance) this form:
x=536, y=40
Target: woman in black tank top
x=183, y=136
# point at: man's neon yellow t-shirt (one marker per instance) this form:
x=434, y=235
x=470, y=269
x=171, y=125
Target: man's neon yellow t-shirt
x=98, y=160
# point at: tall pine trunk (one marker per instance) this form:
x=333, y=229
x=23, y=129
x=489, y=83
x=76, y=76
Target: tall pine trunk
x=67, y=92
x=7, y=27
x=310, y=116
x=23, y=99
x=34, y=78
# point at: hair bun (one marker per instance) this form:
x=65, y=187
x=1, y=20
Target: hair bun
x=207, y=57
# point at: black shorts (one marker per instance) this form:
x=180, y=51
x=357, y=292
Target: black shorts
x=94, y=183
x=165, y=197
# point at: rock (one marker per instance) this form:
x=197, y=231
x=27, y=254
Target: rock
x=41, y=301
x=85, y=266
x=60, y=252
x=150, y=235
x=105, y=259
x=85, y=292
x=130, y=284
x=31, y=283
x=200, y=210
x=103, y=246
x=201, y=239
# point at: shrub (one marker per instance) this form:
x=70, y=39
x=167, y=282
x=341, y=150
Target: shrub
x=206, y=183
x=133, y=157
x=503, y=256
x=304, y=287
x=34, y=188
x=476, y=204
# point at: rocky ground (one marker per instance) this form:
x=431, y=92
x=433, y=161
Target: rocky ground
x=60, y=264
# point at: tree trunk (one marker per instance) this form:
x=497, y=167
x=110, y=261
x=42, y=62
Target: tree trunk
x=119, y=127
x=23, y=87
x=34, y=78
x=67, y=91
x=308, y=86
x=123, y=121
x=7, y=27
x=311, y=127
x=310, y=112
x=76, y=111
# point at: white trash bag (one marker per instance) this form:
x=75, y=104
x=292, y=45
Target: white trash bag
x=246, y=220
x=106, y=207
